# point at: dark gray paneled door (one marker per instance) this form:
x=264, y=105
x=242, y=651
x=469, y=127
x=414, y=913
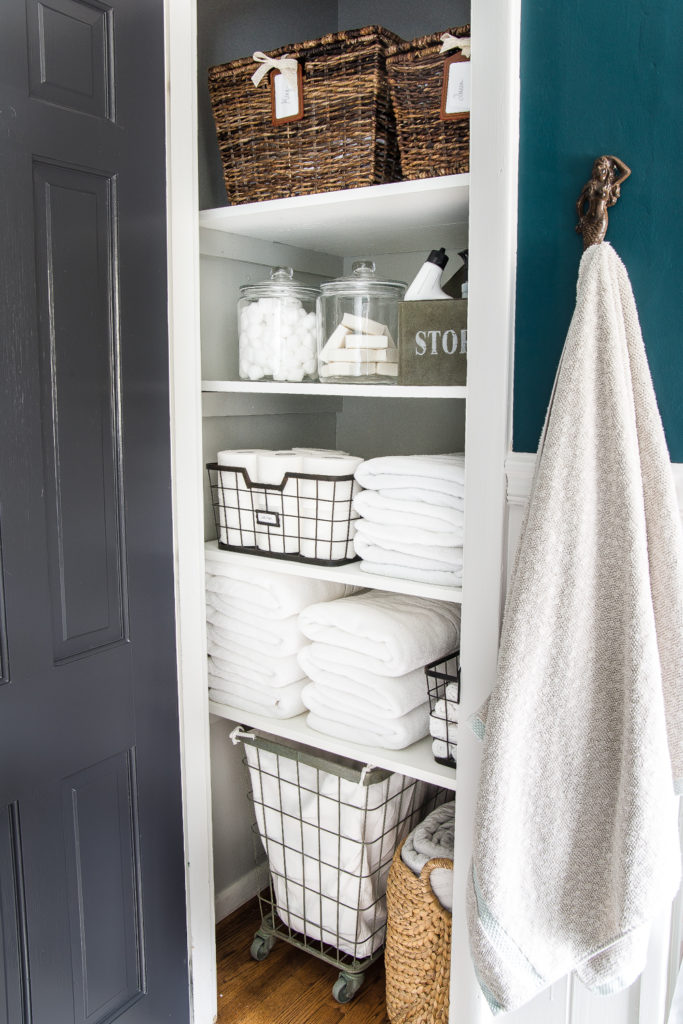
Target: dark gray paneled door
x=92, y=900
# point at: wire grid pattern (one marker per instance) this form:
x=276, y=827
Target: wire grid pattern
x=443, y=689
x=306, y=518
x=330, y=829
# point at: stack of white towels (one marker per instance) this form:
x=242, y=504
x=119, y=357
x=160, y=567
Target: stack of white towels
x=253, y=637
x=411, y=510
x=366, y=665
x=258, y=508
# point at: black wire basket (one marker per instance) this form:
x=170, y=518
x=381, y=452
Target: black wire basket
x=306, y=518
x=443, y=688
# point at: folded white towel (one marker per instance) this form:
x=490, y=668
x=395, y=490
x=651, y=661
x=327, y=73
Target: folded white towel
x=382, y=696
x=443, y=474
x=257, y=669
x=417, y=493
x=283, y=702
x=442, y=559
x=279, y=595
x=391, y=634
x=375, y=508
x=411, y=539
x=402, y=572
x=279, y=637
x=389, y=733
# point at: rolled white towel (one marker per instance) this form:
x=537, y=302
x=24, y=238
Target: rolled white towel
x=278, y=638
x=389, y=733
x=354, y=686
x=443, y=720
x=445, y=751
x=374, y=507
x=392, y=634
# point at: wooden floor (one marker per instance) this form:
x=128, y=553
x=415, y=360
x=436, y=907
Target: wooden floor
x=290, y=986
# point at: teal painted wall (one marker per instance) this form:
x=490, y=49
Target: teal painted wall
x=599, y=76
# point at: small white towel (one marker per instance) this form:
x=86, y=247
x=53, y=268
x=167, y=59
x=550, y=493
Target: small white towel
x=283, y=702
x=235, y=663
x=434, y=499
x=380, y=696
x=391, y=634
x=411, y=539
x=278, y=637
x=445, y=751
x=441, y=577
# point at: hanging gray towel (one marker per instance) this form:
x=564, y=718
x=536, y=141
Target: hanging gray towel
x=576, y=843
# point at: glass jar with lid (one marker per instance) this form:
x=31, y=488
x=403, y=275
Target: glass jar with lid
x=358, y=327
x=277, y=329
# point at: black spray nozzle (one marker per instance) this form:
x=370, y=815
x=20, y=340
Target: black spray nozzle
x=439, y=257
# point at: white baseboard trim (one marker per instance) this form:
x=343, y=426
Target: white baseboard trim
x=519, y=469
x=234, y=896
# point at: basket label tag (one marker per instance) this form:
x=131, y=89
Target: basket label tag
x=267, y=518
x=287, y=102
x=455, y=96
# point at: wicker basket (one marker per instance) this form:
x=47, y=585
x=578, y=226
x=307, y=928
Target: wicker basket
x=417, y=955
x=429, y=146
x=345, y=139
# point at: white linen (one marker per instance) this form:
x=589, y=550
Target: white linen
x=576, y=845
x=380, y=696
x=434, y=499
x=391, y=634
x=406, y=552
x=445, y=473
x=259, y=670
x=388, y=733
x=277, y=638
x=443, y=721
x=411, y=539
x=443, y=578
x=275, y=702
x=329, y=842
x=375, y=508
x=281, y=596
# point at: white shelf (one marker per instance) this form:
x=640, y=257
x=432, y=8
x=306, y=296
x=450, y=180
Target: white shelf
x=392, y=218
x=415, y=761
x=257, y=387
x=350, y=574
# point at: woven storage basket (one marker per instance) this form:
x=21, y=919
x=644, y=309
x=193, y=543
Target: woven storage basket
x=346, y=138
x=429, y=146
x=417, y=955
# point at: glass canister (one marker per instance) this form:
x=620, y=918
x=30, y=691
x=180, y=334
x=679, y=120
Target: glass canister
x=358, y=327
x=277, y=329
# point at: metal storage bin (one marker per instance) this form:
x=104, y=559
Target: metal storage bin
x=330, y=827
x=306, y=518
x=443, y=688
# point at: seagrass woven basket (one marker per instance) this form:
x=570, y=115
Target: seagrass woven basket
x=346, y=137
x=429, y=145
x=417, y=954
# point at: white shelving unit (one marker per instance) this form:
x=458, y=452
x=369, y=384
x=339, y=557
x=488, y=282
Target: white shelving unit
x=315, y=234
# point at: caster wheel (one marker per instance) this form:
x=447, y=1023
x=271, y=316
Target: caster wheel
x=346, y=986
x=261, y=946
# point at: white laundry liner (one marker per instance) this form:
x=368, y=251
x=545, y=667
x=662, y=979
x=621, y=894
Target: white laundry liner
x=329, y=827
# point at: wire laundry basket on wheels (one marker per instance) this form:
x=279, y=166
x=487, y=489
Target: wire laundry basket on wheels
x=329, y=826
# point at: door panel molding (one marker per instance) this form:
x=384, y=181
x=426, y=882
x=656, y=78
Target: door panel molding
x=15, y=986
x=103, y=872
x=80, y=396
